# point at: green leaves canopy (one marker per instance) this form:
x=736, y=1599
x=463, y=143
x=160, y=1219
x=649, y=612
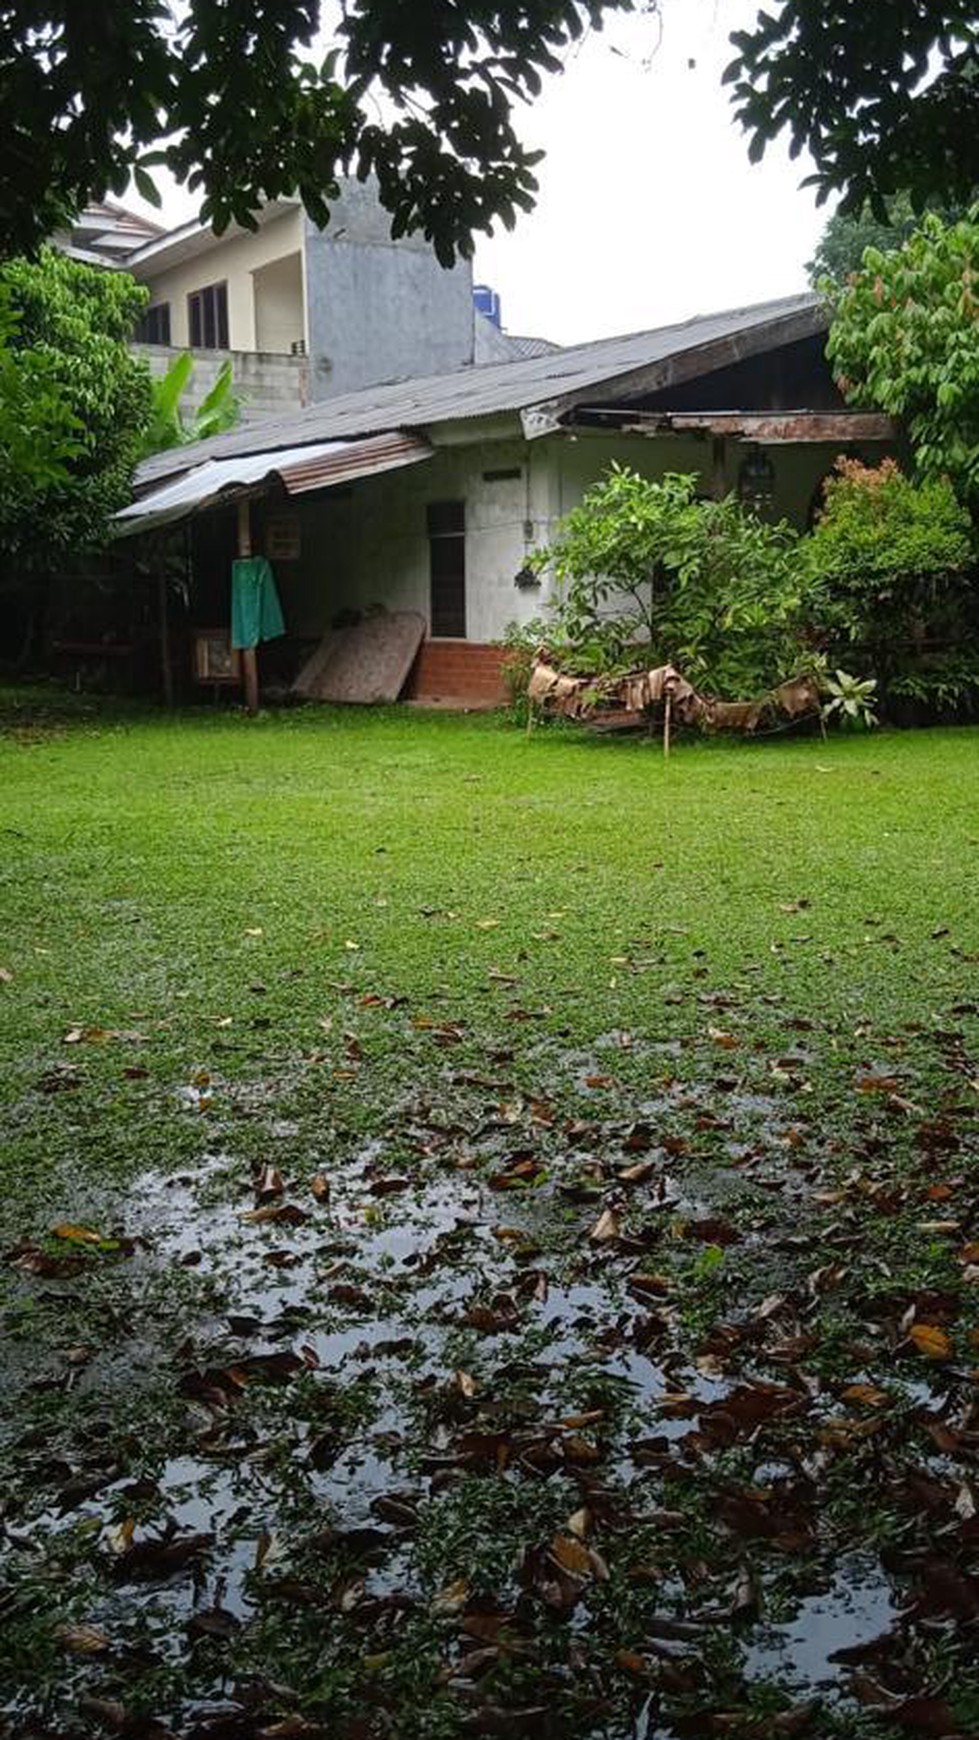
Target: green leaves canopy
x=884, y=97
x=73, y=406
x=905, y=338
x=89, y=92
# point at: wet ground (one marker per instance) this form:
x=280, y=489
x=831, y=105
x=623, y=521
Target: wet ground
x=635, y=1405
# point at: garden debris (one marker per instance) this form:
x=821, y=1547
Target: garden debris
x=633, y=697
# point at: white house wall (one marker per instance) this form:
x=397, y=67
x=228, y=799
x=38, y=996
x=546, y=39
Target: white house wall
x=369, y=545
x=230, y=261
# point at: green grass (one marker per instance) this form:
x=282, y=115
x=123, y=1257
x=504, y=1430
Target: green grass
x=333, y=941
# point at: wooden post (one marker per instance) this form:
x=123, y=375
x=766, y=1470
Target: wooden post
x=166, y=664
x=667, y=716
x=249, y=654
x=718, y=484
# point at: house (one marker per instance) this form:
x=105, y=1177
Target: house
x=305, y=314
x=428, y=495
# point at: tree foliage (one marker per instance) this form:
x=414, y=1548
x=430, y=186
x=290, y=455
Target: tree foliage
x=649, y=572
x=905, y=338
x=64, y=361
x=884, y=97
x=848, y=235
x=244, y=115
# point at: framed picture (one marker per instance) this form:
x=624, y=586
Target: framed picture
x=215, y=660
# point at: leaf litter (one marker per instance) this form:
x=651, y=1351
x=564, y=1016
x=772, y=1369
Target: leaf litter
x=682, y=1441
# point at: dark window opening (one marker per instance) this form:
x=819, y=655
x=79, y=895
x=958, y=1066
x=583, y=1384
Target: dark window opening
x=447, y=558
x=207, y=311
x=154, y=327
x=505, y=474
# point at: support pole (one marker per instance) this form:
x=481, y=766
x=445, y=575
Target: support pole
x=718, y=482
x=667, y=719
x=166, y=662
x=249, y=655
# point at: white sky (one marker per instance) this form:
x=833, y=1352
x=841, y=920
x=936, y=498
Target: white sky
x=649, y=210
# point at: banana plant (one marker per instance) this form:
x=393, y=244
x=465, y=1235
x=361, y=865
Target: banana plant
x=170, y=426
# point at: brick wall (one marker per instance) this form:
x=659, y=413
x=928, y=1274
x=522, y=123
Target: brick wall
x=458, y=670
x=268, y=384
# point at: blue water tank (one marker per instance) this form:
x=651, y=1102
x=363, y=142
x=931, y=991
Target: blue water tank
x=488, y=302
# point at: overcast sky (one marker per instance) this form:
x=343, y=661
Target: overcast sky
x=649, y=210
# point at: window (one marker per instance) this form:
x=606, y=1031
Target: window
x=154, y=328
x=447, y=558
x=207, y=312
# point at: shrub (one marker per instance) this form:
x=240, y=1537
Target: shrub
x=890, y=563
x=650, y=573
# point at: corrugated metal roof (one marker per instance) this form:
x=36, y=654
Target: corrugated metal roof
x=503, y=387
x=317, y=466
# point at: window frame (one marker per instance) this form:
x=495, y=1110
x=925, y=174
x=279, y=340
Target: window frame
x=207, y=309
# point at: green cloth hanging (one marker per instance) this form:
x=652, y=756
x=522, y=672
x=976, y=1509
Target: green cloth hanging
x=256, y=613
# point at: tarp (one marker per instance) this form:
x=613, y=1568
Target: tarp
x=320, y=465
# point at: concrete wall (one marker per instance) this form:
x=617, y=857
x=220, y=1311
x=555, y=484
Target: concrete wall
x=268, y=385
x=368, y=545
x=232, y=261
x=380, y=310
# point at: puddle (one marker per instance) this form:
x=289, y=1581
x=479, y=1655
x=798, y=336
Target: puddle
x=858, y=1606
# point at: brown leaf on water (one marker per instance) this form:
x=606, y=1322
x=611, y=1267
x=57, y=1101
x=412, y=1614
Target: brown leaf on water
x=82, y=1639
x=637, y=1174
x=78, y=1235
x=868, y=1395
x=606, y=1228
x=269, y=1184
x=160, y=1557
x=930, y=1340
x=465, y=1384
x=320, y=1187
x=276, y=1214
x=572, y=1555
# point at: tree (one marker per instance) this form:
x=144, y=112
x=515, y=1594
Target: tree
x=64, y=362
x=847, y=236
x=905, y=338
x=227, y=97
x=884, y=97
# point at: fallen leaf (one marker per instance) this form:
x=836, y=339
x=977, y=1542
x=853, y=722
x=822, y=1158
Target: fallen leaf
x=82, y=1639
x=930, y=1340
x=606, y=1228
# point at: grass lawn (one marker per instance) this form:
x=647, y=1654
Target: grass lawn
x=488, y=1230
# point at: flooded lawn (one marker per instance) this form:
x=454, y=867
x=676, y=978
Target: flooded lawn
x=509, y=1422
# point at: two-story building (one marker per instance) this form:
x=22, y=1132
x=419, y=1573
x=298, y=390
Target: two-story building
x=306, y=314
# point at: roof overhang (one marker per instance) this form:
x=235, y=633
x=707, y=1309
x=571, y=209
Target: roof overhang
x=322, y=465
x=683, y=365
x=772, y=428
x=173, y=247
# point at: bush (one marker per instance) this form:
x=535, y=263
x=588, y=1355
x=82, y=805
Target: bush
x=890, y=565
x=648, y=573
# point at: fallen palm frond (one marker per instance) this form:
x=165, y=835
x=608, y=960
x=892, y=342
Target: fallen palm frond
x=631, y=697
